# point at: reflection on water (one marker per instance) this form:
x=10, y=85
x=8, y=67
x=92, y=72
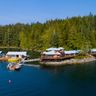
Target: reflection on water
x=70, y=80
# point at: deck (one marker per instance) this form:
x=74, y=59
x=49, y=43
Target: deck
x=56, y=58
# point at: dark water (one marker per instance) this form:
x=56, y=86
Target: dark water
x=71, y=80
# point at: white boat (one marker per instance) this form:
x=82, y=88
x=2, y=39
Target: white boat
x=14, y=66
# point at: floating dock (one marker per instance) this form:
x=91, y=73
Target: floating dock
x=32, y=65
x=32, y=60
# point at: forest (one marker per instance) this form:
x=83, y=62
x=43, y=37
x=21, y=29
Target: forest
x=71, y=33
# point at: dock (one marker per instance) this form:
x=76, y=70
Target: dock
x=32, y=65
x=32, y=60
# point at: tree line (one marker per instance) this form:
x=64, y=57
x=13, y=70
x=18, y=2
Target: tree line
x=70, y=33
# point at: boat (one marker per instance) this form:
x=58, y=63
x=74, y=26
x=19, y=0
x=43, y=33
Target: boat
x=14, y=66
x=16, y=59
x=14, y=63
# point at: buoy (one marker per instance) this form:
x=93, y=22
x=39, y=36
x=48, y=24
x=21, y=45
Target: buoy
x=9, y=81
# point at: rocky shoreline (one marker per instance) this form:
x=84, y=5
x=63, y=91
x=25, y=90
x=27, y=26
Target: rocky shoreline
x=71, y=61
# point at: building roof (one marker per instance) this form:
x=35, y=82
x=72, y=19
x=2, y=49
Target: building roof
x=0, y=52
x=54, y=49
x=17, y=53
x=51, y=53
x=93, y=50
x=72, y=52
x=60, y=48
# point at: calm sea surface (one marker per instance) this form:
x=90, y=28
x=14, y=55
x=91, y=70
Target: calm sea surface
x=71, y=80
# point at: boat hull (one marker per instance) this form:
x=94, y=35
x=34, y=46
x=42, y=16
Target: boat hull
x=14, y=66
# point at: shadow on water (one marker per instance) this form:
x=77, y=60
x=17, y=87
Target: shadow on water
x=78, y=80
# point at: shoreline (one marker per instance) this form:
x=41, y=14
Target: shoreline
x=68, y=62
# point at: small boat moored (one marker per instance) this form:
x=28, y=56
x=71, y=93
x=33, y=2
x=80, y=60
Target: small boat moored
x=14, y=66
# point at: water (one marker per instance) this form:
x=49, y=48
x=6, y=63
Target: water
x=71, y=80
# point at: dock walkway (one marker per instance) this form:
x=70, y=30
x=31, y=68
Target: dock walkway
x=32, y=65
x=32, y=60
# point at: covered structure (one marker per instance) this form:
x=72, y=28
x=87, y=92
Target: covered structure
x=15, y=53
x=93, y=50
x=54, y=54
x=72, y=52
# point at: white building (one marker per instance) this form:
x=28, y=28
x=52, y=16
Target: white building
x=15, y=53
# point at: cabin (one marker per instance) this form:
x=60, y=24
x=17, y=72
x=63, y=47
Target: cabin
x=15, y=53
x=56, y=54
x=52, y=54
x=93, y=52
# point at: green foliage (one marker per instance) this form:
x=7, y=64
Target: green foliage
x=23, y=40
x=70, y=33
x=81, y=56
x=33, y=54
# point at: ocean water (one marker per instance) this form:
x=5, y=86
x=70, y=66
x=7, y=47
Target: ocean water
x=70, y=80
